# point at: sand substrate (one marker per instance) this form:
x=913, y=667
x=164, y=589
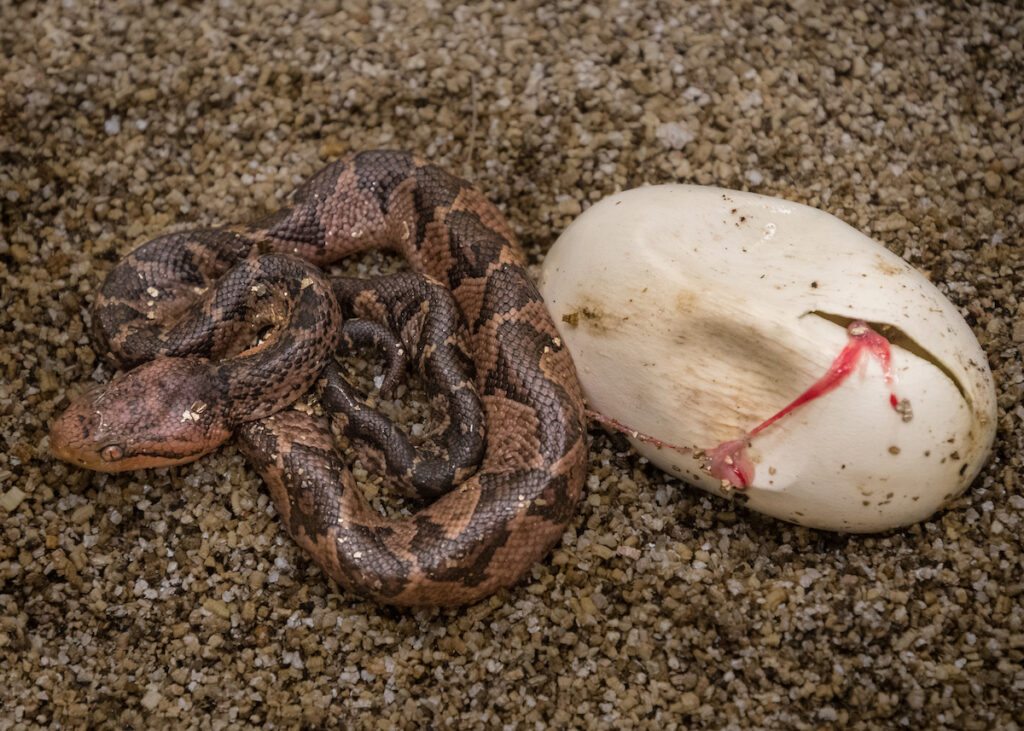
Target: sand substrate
x=174, y=597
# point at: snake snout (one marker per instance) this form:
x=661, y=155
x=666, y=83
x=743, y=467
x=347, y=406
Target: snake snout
x=71, y=434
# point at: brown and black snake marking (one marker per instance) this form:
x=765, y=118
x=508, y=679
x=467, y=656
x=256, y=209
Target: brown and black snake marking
x=183, y=405
x=482, y=535
x=431, y=334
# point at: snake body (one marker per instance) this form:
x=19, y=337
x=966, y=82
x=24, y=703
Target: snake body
x=183, y=312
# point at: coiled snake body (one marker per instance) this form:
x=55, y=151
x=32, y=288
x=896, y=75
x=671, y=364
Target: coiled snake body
x=184, y=311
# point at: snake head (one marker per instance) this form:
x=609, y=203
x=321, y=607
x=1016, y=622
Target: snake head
x=158, y=414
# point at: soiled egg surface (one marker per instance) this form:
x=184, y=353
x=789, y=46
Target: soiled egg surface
x=758, y=347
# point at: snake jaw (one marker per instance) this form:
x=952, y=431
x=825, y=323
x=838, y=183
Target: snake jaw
x=156, y=415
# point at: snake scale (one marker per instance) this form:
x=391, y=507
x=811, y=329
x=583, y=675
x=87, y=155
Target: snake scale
x=222, y=329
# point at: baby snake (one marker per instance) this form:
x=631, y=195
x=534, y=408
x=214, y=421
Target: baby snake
x=184, y=310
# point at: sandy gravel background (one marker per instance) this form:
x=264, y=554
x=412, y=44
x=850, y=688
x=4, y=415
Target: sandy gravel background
x=173, y=597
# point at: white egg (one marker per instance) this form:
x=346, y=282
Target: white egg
x=695, y=314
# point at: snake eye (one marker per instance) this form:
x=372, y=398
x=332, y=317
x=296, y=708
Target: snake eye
x=112, y=453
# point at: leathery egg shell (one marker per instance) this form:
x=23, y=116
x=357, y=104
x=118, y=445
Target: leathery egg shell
x=765, y=349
